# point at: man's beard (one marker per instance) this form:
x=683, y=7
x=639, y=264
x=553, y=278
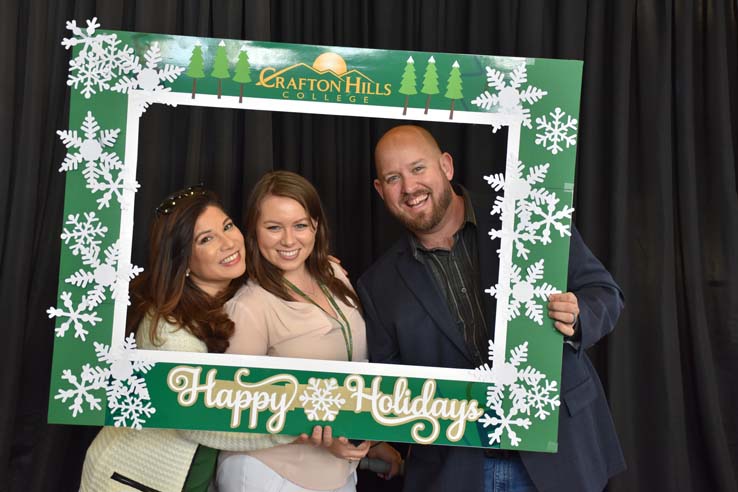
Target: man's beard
x=423, y=224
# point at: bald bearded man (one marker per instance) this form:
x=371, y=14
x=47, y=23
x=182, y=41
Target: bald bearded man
x=423, y=305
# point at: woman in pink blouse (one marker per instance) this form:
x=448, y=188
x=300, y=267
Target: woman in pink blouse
x=295, y=304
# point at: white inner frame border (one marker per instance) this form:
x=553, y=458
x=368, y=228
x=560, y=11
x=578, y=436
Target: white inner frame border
x=136, y=97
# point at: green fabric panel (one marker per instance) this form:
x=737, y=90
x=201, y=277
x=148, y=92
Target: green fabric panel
x=202, y=470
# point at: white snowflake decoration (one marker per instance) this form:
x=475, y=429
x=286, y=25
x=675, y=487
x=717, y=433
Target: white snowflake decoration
x=509, y=98
x=102, y=275
x=103, y=171
x=524, y=293
x=540, y=218
x=78, y=316
x=92, y=148
x=536, y=209
x=133, y=409
x=526, y=389
x=105, y=179
x=504, y=422
x=148, y=78
x=100, y=60
x=322, y=402
x=103, y=64
x=556, y=131
x=90, y=379
x=84, y=234
x=127, y=393
x=519, y=188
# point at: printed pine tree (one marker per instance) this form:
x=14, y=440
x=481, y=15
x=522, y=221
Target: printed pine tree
x=196, y=68
x=430, y=82
x=454, y=87
x=242, y=73
x=407, y=85
x=220, y=67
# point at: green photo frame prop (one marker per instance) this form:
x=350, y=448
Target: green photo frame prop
x=100, y=378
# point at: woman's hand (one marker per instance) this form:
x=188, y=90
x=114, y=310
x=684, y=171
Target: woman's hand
x=388, y=454
x=340, y=447
x=335, y=260
x=314, y=439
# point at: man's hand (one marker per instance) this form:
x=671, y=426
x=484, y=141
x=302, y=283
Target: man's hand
x=388, y=454
x=564, y=310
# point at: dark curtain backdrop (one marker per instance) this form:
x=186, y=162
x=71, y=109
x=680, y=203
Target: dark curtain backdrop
x=656, y=192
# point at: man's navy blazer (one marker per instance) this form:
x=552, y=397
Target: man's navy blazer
x=408, y=322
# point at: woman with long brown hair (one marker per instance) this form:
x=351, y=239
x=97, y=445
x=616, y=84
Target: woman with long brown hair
x=196, y=263
x=296, y=304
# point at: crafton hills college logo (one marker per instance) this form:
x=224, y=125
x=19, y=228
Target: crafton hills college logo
x=327, y=80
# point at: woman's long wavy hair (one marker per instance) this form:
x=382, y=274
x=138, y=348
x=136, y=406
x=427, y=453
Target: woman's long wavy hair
x=164, y=292
x=291, y=185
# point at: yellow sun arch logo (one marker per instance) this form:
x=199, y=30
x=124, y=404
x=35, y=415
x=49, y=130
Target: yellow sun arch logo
x=326, y=80
x=330, y=61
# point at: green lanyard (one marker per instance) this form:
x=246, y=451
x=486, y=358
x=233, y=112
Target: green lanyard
x=345, y=328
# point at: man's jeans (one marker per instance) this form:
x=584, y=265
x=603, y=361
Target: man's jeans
x=506, y=475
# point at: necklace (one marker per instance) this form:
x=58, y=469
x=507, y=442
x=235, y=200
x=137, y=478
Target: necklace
x=342, y=322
